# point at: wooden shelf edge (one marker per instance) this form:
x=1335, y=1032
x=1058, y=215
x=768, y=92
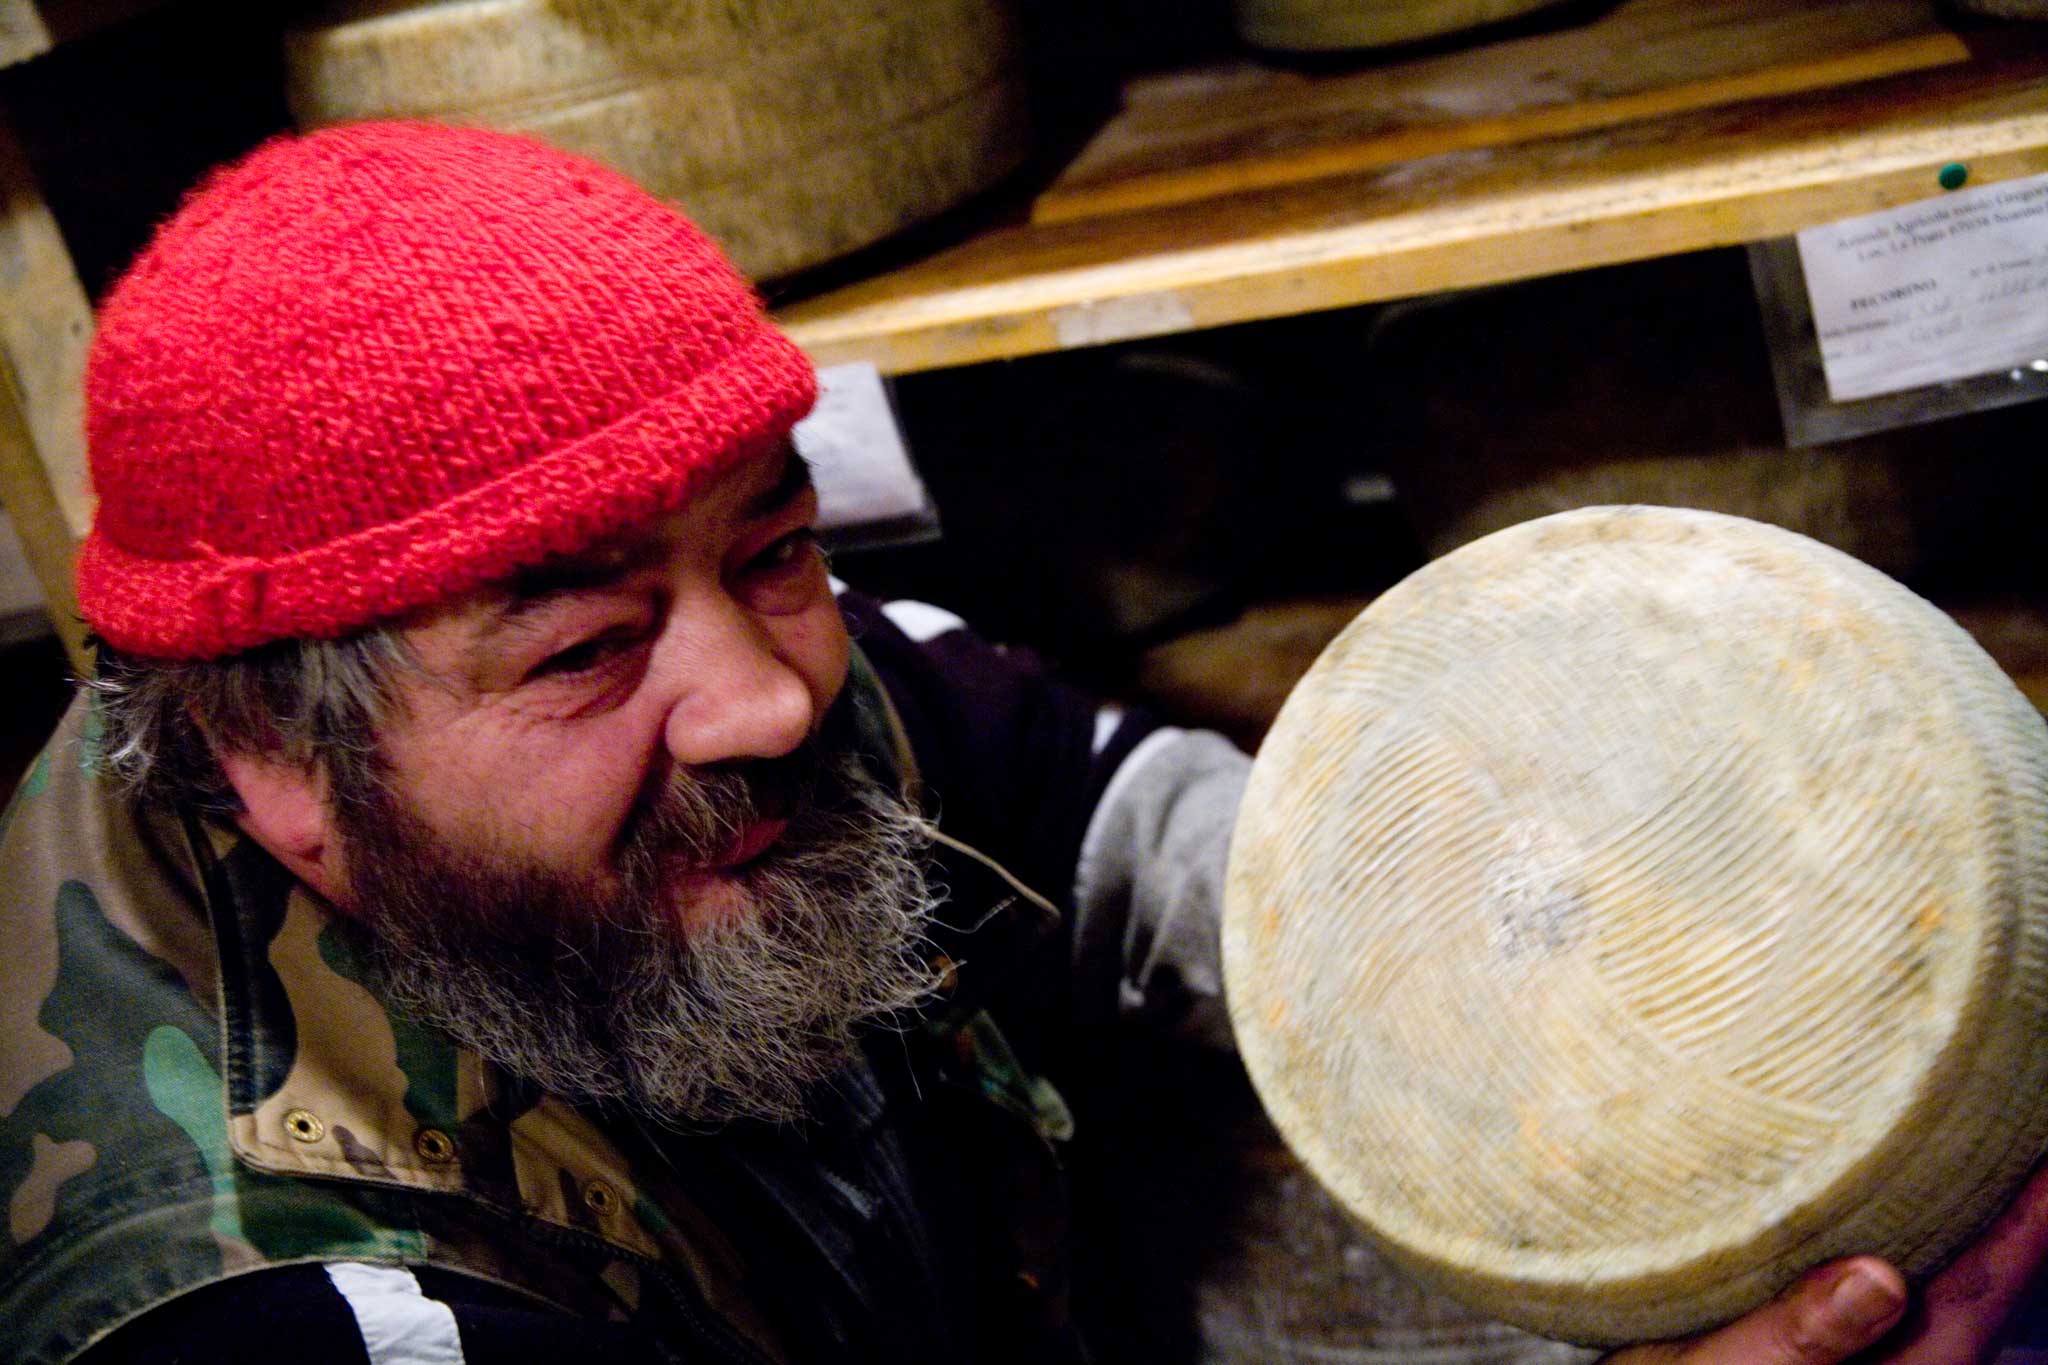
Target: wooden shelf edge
x=1183, y=185
x=1480, y=238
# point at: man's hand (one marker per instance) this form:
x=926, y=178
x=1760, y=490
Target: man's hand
x=1846, y=1306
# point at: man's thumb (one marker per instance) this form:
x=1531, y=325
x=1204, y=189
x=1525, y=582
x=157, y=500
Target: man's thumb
x=1828, y=1316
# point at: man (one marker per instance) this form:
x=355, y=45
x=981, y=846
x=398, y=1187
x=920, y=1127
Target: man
x=490, y=910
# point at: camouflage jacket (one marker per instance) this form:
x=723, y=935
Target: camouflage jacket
x=198, y=1080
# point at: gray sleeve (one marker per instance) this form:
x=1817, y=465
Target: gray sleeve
x=1148, y=892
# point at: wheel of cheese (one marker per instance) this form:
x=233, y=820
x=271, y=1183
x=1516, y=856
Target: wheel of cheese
x=2007, y=9
x=1325, y=25
x=791, y=132
x=1639, y=906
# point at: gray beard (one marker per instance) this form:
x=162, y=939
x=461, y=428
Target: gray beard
x=597, y=995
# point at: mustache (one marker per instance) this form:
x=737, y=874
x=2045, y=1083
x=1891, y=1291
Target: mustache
x=697, y=815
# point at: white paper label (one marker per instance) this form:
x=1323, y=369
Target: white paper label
x=1101, y=321
x=858, y=459
x=1943, y=289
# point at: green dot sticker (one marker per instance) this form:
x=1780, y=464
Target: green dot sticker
x=1953, y=175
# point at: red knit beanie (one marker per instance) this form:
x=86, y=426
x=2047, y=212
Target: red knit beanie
x=369, y=368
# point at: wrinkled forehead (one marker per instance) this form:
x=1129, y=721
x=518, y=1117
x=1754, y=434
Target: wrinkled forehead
x=753, y=489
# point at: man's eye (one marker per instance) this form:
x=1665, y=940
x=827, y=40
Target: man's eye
x=579, y=658
x=795, y=548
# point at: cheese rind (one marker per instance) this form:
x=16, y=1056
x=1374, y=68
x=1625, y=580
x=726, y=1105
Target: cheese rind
x=1639, y=906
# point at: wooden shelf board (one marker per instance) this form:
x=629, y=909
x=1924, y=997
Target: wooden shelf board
x=45, y=328
x=1238, y=126
x=1681, y=181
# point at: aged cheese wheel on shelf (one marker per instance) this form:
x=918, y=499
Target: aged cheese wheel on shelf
x=1324, y=25
x=1639, y=906
x=790, y=131
x=2007, y=9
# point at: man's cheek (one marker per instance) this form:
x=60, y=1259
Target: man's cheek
x=818, y=640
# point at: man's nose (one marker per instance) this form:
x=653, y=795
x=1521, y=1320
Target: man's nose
x=737, y=696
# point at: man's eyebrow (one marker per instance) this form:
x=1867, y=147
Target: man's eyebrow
x=595, y=570
x=531, y=589
x=795, y=478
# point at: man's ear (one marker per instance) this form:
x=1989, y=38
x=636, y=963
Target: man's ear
x=285, y=809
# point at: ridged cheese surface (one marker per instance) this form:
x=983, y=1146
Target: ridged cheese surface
x=1638, y=906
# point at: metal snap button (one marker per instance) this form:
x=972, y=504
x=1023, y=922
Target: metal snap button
x=601, y=1198
x=304, y=1125
x=433, y=1145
